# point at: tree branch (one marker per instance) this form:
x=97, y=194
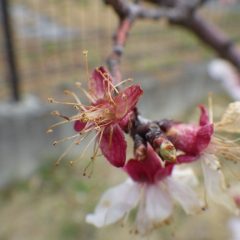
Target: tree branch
x=120, y=39
x=213, y=37
x=179, y=12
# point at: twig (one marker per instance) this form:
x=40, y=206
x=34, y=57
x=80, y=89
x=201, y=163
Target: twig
x=183, y=14
x=120, y=39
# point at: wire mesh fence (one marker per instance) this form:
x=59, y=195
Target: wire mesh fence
x=49, y=37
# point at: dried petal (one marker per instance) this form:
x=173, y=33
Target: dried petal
x=215, y=183
x=230, y=121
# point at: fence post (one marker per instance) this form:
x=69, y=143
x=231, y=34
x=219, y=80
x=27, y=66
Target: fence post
x=12, y=68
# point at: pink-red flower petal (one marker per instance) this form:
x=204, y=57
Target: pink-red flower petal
x=79, y=125
x=186, y=158
x=191, y=139
x=147, y=170
x=204, y=118
x=99, y=82
x=127, y=99
x=124, y=123
x=164, y=172
x=203, y=137
x=113, y=145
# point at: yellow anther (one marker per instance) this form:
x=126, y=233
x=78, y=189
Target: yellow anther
x=55, y=113
x=50, y=100
x=78, y=84
x=85, y=52
x=67, y=92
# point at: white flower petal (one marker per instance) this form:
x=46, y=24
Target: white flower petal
x=234, y=190
x=234, y=225
x=215, y=182
x=115, y=203
x=143, y=223
x=155, y=207
x=182, y=192
x=158, y=203
x=185, y=175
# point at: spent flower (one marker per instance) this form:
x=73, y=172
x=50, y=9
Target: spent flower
x=106, y=115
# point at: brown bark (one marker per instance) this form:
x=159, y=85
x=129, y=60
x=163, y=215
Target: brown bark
x=181, y=13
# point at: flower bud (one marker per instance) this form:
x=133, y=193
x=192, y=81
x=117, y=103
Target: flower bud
x=167, y=151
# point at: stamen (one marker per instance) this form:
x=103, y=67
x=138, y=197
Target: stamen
x=205, y=198
x=122, y=82
x=109, y=94
x=70, y=93
x=58, y=114
x=64, y=154
x=90, y=164
x=229, y=149
x=78, y=84
x=52, y=100
x=85, y=54
x=68, y=103
x=96, y=145
x=235, y=175
x=89, y=143
x=109, y=84
x=50, y=129
x=65, y=139
x=110, y=136
x=210, y=106
x=89, y=96
x=124, y=219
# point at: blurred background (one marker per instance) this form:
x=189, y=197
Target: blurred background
x=41, y=44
